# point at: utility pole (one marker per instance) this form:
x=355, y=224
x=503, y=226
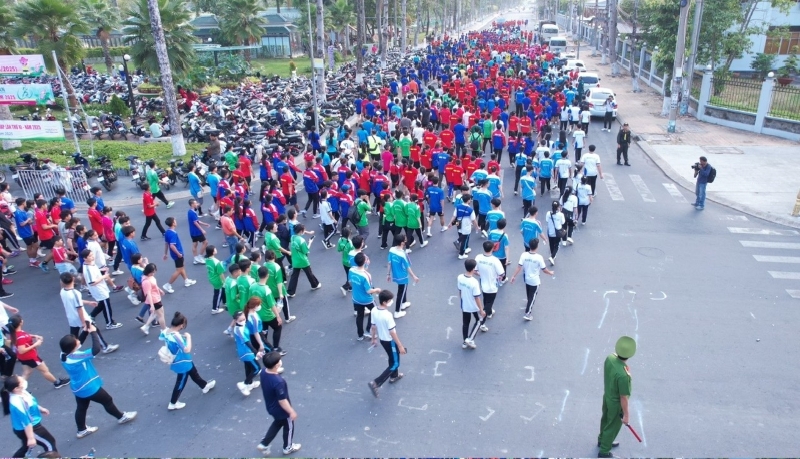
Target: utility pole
x=687, y=85
x=313, y=69
x=612, y=37
x=634, y=76
x=596, y=31
x=604, y=49
x=677, y=72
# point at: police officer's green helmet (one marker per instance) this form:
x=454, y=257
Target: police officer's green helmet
x=626, y=347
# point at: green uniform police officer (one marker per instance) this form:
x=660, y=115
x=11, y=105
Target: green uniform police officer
x=617, y=384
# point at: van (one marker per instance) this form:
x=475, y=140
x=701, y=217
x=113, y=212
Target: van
x=549, y=31
x=557, y=45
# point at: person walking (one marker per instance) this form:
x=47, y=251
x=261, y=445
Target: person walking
x=216, y=277
x=247, y=353
x=569, y=207
x=152, y=297
x=86, y=384
x=592, y=168
x=463, y=219
x=173, y=247
x=469, y=293
x=26, y=417
x=555, y=222
x=269, y=312
x=179, y=346
x=704, y=174
x=491, y=272
x=399, y=270
x=361, y=283
x=608, y=111
x=584, y=194
x=197, y=233
x=153, y=184
x=384, y=330
x=279, y=405
x=26, y=346
x=623, y=142
x=530, y=263
x=300, y=262
x=616, y=394
x=77, y=316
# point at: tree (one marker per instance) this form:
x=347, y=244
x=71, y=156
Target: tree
x=170, y=99
x=138, y=33
x=102, y=19
x=241, y=24
x=302, y=23
x=741, y=36
x=55, y=26
x=208, y=6
x=320, y=74
x=360, y=31
x=342, y=18
x=7, y=46
x=404, y=25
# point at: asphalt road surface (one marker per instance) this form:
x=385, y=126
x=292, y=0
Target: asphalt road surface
x=704, y=293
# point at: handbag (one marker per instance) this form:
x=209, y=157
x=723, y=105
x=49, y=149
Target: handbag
x=561, y=232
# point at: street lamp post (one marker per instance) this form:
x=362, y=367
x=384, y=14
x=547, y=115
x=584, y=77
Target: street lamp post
x=313, y=70
x=128, y=81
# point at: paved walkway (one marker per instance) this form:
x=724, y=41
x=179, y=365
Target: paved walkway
x=756, y=174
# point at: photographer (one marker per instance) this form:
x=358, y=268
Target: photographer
x=701, y=171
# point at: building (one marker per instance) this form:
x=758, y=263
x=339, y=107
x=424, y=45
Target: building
x=280, y=37
x=765, y=14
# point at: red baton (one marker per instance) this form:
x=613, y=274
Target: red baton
x=634, y=432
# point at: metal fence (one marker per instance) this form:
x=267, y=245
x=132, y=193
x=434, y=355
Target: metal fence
x=735, y=93
x=785, y=102
x=48, y=181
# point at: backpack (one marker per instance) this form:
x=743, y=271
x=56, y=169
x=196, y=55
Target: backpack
x=712, y=175
x=475, y=141
x=165, y=355
x=353, y=216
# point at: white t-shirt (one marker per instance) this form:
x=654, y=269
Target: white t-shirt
x=531, y=264
x=418, y=132
x=490, y=268
x=563, y=165
x=73, y=301
x=3, y=314
x=554, y=222
x=590, y=163
x=392, y=126
x=578, y=135
x=470, y=288
x=466, y=222
x=99, y=256
x=586, y=116
x=92, y=274
x=583, y=191
x=325, y=212
x=540, y=151
x=347, y=146
x=571, y=203
x=382, y=320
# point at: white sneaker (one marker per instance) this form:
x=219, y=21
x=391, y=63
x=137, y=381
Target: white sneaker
x=256, y=384
x=471, y=343
x=527, y=317
x=443, y=230
x=400, y=314
x=110, y=348
x=198, y=261
x=569, y=239
x=127, y=416
x=484, y=234
x=175, y=406
x=408, y=250
x=168, y=288
x=263, y=449
x=209, y=385
x=429, y=233
x=344, y=291
x=118, y=273
x=170, y=204
x=423, y=244
x=87, y=431
x=228, y=331
x=468, y=250
x=189, y=282
x=405, y=305
x=243, y=388
x=552, y=261
x=463, y=257
x=216, y=311
x=319, y=286
x=484, y=328
x=563, y=243
x=294, y=447
x=145, y=329
x=291, y=319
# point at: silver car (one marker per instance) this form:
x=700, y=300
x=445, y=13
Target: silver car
x=596, y=97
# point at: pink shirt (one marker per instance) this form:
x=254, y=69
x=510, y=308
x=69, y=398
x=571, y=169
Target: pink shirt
x=387, y=158
x=152, y=294
x=108, y=229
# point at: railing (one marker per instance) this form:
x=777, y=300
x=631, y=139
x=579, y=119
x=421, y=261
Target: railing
x=735, y=93
x=785, y=102
x=48, y=181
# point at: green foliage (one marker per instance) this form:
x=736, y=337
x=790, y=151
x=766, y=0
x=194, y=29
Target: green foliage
x=232, y=67
x=659, y=25
x=99, y=17
x=790, y=65
x=7, y=43
x=240, y=22
x=763, y=63
x=115, y=51
x=116, y=106
x=138, y=34
x=147, y=88
x=55, y=25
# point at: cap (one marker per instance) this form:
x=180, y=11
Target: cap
x=625, y=347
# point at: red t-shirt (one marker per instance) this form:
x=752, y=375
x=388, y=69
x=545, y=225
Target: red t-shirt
x=425, y=160
x=525, y=125
x=414, y=153
x=453, y=174
x=96, y=220
x=410, y=177
x=447, y=136
x=287, y=184
x=148, y=204
x=41, y=220
x=429, y=139
x=245, y=165
x=24, y=339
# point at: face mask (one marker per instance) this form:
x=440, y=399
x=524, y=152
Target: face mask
x=258, y=308
x=389, y=304
x=23, y=383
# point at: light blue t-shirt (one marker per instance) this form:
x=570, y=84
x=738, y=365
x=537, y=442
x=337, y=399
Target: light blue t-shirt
x=501, y=236
x=83, y=378
x=530, y=230
x=361, y=282
x=24, y=411
x=494, y=216
x=399, y=264
x=528, y=185
x=213, y=183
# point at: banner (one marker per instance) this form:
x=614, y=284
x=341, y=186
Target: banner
x=31, y=130
x=26, y=94
x=22, y=64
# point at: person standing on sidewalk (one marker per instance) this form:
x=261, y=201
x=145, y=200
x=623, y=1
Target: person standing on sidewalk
x=702, y=172
x=279, y=406
x=383, y=330
x=623, y=142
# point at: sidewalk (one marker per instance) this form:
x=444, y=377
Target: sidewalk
x=756, y=174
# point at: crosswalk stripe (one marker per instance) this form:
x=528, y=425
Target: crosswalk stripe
x=613, y=188
x=784, y=275
x=771, y=245
x=738, y=218
x=762, y=232
x=775, y=259
x=793, y=293
x=673, y=191
x=642, y=188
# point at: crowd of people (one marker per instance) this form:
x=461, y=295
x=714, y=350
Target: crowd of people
x=427, y=147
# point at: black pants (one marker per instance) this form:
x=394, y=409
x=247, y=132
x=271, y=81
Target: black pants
x=582, y=211
x=180, y=383
x=553, y=240
x=488, y=302
x=279, y=261
x=544, y=182
x=386, y=228
x=623, y=152
x=7, y=362
x=570, y=223
x=485, y=142
x=102, y=397
x=394, y=363
x=526, y=205
x=360, y=318
x=117, y=257
x=562, y=183
x=218, y=299
x=10, y=238
x=296, y=275
x=251, y=370
x=288, y=432
x=518, y=109
x=160, y=195
x=402, y=296
x=585, y=127
x=346, y=284
x=410, y=236
x=463, y=243
x=592, y=181
x=286, y=313
x=103, y=306
x=43, y=439
x=327, y=232
x=578, y=153
x=517, y=176
x=276, y=332
x=459, y=148
x=466, y=318
x=313, y=199
x=530, y=292
x=148, y=221
x=607, y=120
x=82, y=334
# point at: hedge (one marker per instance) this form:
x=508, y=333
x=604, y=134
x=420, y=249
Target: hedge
x=117, y=150
x=115, y=51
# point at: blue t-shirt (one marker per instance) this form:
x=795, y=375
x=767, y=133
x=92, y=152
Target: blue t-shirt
x=241, y=335
x=274, y=389
x=501, y=236
x=194, y=184
x=193, y=229
x=361, y=284
x=530, y=230
x=435, y=198
x=171, y=237
x=24, y=411
x=213, y=183
x=67, y=203
x=398, y=261
x=492, y=217
x=23, y=231
x=175, y=342
x=484, y=198
x=528, y=184
x=83, y=378
x=128, y=248
x=494, y=186
x=546, y=168
x=459, y=130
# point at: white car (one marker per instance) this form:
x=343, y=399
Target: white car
x=573, y=64
x=590, y=80
x=596, y=97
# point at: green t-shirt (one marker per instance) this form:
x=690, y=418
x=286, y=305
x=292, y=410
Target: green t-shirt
x=243, y=284
x=388, y=212
x=214, y=268
x=400, y=218
x=405, y=144
x=152, y=180
x=617, y=380
x=254, y=272
x=299, y=250
x=413, y=213
x=264, y=293
x=344, y=247
x=232, y=296
x=275, y=279
x=363, y=208
x=232, y=160
x=487, y=129
x=273, y=244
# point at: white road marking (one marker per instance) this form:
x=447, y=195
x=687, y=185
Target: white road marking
x=421, y=408
x=784, y=275
x=585, y=361
x=440, y=352
x=486, y=418
x=613, y=188
x=526, y=419
x=776, y=259
x=563, y=404
x=533, y=373
x=450, y=300
x=449, y=329
x=605, y=311
x=436, y=368
x=644, y=192
x=771, y=245
x=664, y=297
x=794, y=293
x=762, y=232
x=738, y=218
x=674, y=192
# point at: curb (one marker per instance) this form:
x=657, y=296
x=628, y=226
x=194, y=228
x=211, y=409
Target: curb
x=673, y=175
x=137, y=201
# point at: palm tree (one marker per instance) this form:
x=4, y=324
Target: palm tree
x=102, y=19
x=7, y=46
x=138, y=33
x=361, y=29
x=55, y=26
x=342, y=18
x=302, y=23
x=241, y=24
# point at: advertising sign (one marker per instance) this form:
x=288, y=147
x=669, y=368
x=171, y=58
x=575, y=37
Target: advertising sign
x=31, y=130
x=22, y=64
x=26, y=94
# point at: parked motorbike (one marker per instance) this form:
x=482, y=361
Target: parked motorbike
x=106, y=174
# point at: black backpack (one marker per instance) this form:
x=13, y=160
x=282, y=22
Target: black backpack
x=353, y=216
x=712, y=175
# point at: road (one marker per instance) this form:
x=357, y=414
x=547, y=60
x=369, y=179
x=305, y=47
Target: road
x=704, y=293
